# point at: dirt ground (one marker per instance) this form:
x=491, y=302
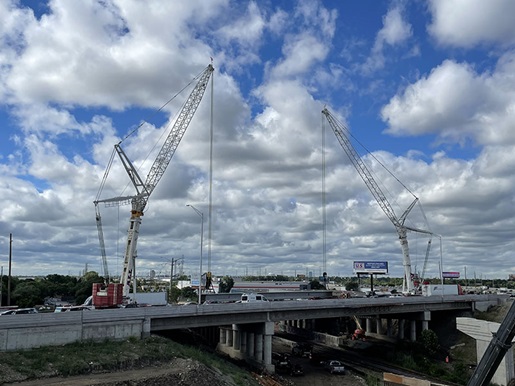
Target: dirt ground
x=182, y=372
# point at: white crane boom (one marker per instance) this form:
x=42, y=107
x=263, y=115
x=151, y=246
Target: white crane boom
x=102, y=244
x=145, y=189
x=340, y=130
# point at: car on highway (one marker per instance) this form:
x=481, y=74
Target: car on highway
x=253, y=298
x=334, y=367
x=280, y=361
x=71, y=308
x=19, y=311
x=296, y=369
x=302, y=350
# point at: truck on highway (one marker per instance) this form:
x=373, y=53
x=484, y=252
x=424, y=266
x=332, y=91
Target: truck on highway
x=439, y=289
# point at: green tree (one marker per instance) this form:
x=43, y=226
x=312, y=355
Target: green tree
x=174, y=294
x=226, y=284
x=429, y=341
x=84, y=286
x=188, y=294
x=316, y=285
x=352, y=285
x=27, y=294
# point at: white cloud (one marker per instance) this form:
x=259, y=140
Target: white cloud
x=457, y=103
x=466, y=23
x=79, y=69
x=301, y=53
x=396, y=31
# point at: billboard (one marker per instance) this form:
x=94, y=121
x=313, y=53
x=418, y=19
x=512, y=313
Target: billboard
x=451, y=275
x=379, y=267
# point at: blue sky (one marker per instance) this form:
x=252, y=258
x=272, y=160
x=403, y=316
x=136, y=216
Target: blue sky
x=425, y=86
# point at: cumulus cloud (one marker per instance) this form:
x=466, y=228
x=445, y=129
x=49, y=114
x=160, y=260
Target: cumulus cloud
x=396, y=31
x=78, y=78
x=463, y=23
x=457, y=103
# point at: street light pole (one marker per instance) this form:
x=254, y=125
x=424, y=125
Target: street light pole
x=201, y=243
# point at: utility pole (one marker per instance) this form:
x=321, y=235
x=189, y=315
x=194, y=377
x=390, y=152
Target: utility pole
x=10, y=267
x=1, y=283
x=171, y=275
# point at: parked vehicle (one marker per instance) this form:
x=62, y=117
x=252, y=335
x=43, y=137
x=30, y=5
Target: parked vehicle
x=334, y=367
x=296, y=369
x=302, y=350
x=18, y=311
x=71, y=308
x=280, y=361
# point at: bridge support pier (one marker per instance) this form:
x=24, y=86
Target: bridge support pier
x=223, y=336
x=145, y=330
x=402, y=326
x=251, y=342
x=413, y=330
x=368, y=325
x=378, y=325
x=389, y=328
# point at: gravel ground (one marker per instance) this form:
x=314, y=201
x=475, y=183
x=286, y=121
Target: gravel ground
x=179, y=372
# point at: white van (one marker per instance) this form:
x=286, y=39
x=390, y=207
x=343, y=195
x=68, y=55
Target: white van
x=253, y=298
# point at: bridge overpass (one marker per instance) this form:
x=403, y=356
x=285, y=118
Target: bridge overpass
x=245, y=330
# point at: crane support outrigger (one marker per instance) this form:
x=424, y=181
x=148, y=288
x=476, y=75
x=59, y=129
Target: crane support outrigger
x=340, y=132
x=145, y=189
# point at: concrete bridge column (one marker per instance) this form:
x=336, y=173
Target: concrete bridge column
x=235, y=337
x=413, y=330
x=368, y=324
x=425, y=320
x=243, y=342
x=389, y=332
x=258, y=352
x=229, y=338
x=267, y=350
x=379, y=325
x=402, y=326
x=223, y=336
x=145, y=330
x=250, y=344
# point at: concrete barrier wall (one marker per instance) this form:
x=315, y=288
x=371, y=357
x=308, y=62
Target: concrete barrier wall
x=19, y=332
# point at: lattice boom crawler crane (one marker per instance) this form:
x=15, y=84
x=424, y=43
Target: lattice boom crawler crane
x=145, y=188
x=340, y=132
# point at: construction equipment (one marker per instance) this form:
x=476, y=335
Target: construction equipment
x=145, y=188
x=499, y=345
x=359, y=332
x=102, y=243
x=341, y=134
